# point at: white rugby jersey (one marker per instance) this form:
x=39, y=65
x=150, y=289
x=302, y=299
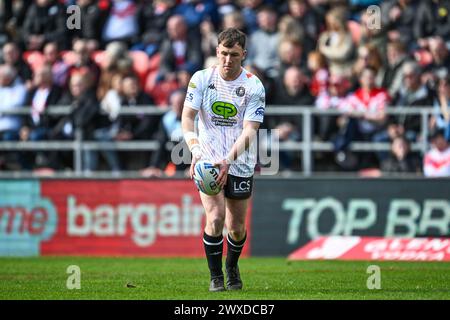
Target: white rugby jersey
x=223, y=106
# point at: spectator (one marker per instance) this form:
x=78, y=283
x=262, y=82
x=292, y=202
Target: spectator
x=140, y=126
x=432, y=19
x=12, y=96
x=43, y=94
x=412, y=93
x=398, y=18
x=83, y=115
x=309, y=20
x=290, y=29
x=291, y=90
x=60, y=70
x=250, y=10
x=437, y=160
x=135, y=127
x=440, y=62
x=441, y=116
x=45, y=21
x=169, y=132
x=396, y=57
x=234, y=19
x=264, y=42
x=333, y=98
x=208, y=40
x=83, y=61
x=180, y=48
x=12, y=56
x=317, y=66
x=368, y=104
x=116, y=60
x=336, y=43
x=195, y=12
x=36, y=127
x=92, y=19
x=122, y=23
x=400, y=160
x=107, y=129
x=11, y=20
x=290, y=54
x=366, y=110
x=369, y=56
x=155, y=17
x=226, y=7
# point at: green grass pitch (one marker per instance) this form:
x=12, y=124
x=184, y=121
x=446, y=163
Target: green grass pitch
x=187, y=279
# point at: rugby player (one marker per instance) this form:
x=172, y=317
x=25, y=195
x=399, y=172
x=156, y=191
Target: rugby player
x=229, y=102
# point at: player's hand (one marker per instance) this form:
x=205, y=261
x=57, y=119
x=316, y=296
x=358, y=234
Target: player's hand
x=223, y=172
x=195, y=157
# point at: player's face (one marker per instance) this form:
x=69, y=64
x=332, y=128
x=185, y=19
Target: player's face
x=230, y=60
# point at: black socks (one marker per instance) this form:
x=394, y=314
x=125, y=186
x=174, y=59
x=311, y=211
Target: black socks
x=214, y=249
x=234, y=250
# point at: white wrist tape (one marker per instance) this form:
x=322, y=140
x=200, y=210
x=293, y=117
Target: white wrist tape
x=189, y=137
x=196, y=151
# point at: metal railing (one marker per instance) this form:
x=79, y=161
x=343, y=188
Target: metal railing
x=307, y=146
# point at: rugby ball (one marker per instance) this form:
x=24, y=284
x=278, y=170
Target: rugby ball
x=205, y=175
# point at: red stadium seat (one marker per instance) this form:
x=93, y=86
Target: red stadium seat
x=154, y=62
x=141, y=65
x=98, y=56
x=161, y=92
x=35, y=59
x=150, y=81
x=69, y=57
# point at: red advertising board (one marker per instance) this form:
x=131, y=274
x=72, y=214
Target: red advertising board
x=374, y=248
x=126, y=218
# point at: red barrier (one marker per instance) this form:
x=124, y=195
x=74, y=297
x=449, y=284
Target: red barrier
x=373, y=248
x=126, y=218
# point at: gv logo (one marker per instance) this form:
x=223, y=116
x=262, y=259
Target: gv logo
x=224, y=109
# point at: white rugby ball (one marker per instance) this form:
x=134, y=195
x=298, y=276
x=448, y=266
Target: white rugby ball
x=205, y=175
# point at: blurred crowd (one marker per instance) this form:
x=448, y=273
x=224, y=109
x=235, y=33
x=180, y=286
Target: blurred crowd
x=341, y=55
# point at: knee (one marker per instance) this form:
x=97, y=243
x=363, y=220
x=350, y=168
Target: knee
x=215, y=226
x=237, y=234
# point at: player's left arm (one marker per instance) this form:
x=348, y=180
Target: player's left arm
x=241, y=144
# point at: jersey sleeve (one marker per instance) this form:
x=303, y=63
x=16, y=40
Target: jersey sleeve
x=194, y=94
x=257, y=105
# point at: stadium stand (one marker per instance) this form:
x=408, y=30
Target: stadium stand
x=163, y=42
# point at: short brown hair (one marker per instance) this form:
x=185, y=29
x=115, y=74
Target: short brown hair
x=229, y=37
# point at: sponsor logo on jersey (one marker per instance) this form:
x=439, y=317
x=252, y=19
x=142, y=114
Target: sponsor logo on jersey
x=226, y=111
x=240, y=91
x=192, y=85
x=190, y=96
x=212, y=86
